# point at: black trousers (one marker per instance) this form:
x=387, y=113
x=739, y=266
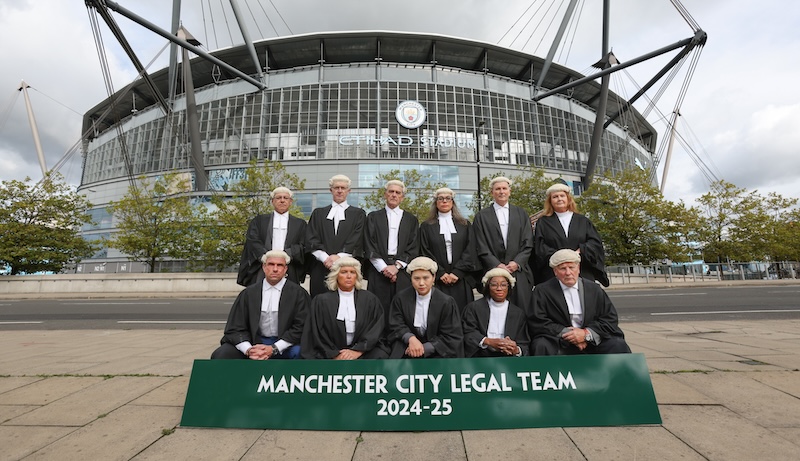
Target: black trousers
x=553, y=345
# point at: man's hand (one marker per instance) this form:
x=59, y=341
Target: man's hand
x=330, y=260
x=390, y=272
x=415, y=348
x=576, y=337
x=505, y=345
x=449, y=278
x=348, y=354
x=259, y=352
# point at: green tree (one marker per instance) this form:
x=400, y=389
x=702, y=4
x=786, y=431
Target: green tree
x=637, y=224
x=224, y=239
x=158, y=220
x=419, y=192
x=742, y=225
x=40, y=225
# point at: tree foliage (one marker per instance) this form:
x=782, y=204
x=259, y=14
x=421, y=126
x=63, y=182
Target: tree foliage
x=40, y=225
x=418, y=197
x=158, y=220
x=224, y=236
x=637, y=224
x=743, y=225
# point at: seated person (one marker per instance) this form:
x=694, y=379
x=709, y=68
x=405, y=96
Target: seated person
x=347, y=322
x=493, y=327
x=267, y=319
x=571, y=315
x=424, y=322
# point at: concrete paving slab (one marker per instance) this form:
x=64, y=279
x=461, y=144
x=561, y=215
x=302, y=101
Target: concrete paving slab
x=673, y=344
x=741, y=365
x=784, y=381
x=648, y=352
x=789, y=362
x=520, y=445
x=48, y=390
x=751, y=399
x=305, y=445
x=40, y=365
x=8, y=383
x=181, y=366
x=721, y=435
x=673, y=365
x=119, y=436
x=792, y=434
x=199, y=444
x=748, y=351
x=85, y=406
x=171, y=393
x=671, y=391
x=129, y=366
x=708, y=355
x=8, y=412
x=19, y=441
x=404, y=446
x=639, y=443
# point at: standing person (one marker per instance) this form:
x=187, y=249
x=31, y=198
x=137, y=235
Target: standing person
x=278, y=230
x=267, y=319
x=571, y=315
x=494, y=327
x=334, y=231
x=445, y=238
x=424, y=322
x=346, y=322
x=390, y=242
x=563, y=227
x=504, y=239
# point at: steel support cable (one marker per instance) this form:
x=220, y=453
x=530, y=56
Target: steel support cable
x=213, y=25
x=695, y=140
x=281, y=16
x=517, y=22
x=268, y=19
x=574, y=32
x=57, y=102
x=544, y=34
x=686, y=15
x=254, y=18
x=227, y=24
x=7, y=109
x=205, y=24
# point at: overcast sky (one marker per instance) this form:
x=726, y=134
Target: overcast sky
x=741, y=115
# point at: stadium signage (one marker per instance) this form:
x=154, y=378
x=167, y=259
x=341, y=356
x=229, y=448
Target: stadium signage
x=422, y=141
x=414, y=395
x=410, y=114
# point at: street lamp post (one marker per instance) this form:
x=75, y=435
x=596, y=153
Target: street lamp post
x=478, y=159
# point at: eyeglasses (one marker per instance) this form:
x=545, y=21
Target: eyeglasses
x=444, y=199
x=498, y=285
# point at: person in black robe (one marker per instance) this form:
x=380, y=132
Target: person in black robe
x=424, y=321
x=390, y=226
x=334, y=231
x=346, y=322
x=512, y=251
x=561, y=215
x=253, y=313
x=587, y=323
x=278, y=230
x=494, y=327
x=445, y=237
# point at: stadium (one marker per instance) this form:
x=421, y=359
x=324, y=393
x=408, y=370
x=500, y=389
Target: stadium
x=359, y=104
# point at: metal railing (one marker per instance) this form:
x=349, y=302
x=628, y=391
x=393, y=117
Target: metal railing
x=693, y=272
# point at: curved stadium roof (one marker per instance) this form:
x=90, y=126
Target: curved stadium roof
x=369, y=47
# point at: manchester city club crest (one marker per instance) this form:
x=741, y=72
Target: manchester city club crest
x=410, y=114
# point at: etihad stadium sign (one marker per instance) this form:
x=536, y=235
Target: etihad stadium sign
x=422, y=141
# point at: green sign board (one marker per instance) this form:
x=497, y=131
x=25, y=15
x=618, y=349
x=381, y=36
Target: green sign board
x=421, y=395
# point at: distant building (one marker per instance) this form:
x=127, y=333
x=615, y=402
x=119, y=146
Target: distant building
x=360, y=104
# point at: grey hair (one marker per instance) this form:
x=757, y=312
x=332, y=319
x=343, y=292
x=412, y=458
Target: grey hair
x=279, y=190
x=276, y=254
x=340, y=178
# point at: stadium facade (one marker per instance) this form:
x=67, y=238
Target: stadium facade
x=360, y=104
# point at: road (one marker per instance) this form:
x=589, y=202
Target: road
x=639, y=305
